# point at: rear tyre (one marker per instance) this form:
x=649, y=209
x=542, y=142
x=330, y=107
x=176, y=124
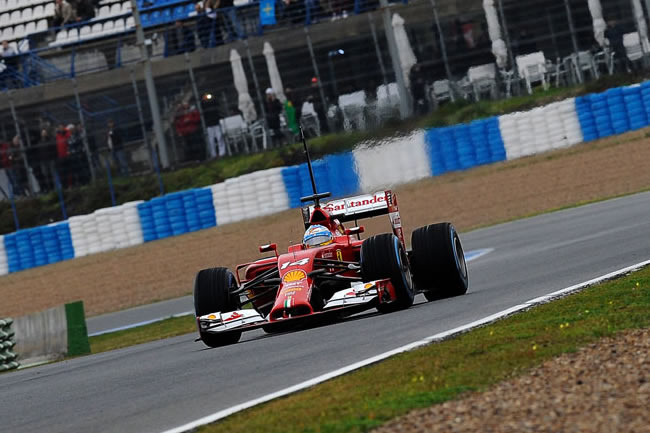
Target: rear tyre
x=213, y=293
x=383, y=256
x=438, y=262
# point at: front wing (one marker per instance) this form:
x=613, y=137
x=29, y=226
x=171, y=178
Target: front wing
x=359, y=297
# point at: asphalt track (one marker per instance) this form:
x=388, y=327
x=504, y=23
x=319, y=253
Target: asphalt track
x=160, y=385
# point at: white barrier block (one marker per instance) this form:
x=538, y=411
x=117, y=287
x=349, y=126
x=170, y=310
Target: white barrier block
x=132, y=226
x=79, y=235
x=397, y=160
x=510, y=135
x=526, y=134
x=571, y=122
x=538, y=120
x=4, y=263
x=220, y=202
x=555, y=126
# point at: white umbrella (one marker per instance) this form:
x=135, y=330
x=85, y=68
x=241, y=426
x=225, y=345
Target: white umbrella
x=406, y=56
x=596, y=11
x=640, y=19
x=274, y=73
x=245, y=104
x=494, y=30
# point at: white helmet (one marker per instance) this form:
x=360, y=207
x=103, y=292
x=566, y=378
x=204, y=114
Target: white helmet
x=317, y=236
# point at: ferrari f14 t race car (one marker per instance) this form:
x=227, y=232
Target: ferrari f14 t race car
x=332, y=273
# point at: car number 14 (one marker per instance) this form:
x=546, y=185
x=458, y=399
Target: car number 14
x=300, y=262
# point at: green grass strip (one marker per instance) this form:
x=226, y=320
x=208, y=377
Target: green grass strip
x=143, y=334
x=77, y=331
x=369, y=397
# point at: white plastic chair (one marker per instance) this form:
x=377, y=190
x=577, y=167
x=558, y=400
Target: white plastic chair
x=19, y=31
x=483, y=79
x=96, y=30
x=104, y=11
x=353, y=106
x=4, y=19
x=84, y=32
x=41, y=26
x=108, y=27
x=441, y=91
x=632, y=45
x=15, y=17
x=26, y=15
x=48, y=10
x=38, y=12
x=8, y=33
x=61, y=38
x=235, y=132
x=130, y=22
x=30, y=28
x=116, y=9
x=119, y=25
x=73, y=35
x=532, y=68
x=126, y=7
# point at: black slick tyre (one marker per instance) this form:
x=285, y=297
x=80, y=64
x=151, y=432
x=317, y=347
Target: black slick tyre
x=438, y=262
x=213, y=293
x=383, y=256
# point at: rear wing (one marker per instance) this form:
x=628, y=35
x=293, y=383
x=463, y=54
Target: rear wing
x=360, y=207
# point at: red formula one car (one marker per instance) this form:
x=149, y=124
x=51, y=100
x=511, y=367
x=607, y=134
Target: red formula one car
x=333, y=273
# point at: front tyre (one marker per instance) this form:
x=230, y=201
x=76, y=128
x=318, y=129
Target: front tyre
x=438, y=261
x=383, y=256
x=213, y=290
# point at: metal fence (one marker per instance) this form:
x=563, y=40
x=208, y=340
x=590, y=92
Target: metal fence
x=94, y=126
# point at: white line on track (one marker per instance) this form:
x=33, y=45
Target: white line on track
x=472, y=255
x=434, y=338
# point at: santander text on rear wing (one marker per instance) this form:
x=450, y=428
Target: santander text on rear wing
x=362, y=206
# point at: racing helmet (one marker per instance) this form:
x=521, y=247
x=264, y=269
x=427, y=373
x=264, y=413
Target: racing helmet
x=317, y=236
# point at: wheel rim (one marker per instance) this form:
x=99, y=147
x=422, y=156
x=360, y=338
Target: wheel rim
x=404, y=267
x=460, y=256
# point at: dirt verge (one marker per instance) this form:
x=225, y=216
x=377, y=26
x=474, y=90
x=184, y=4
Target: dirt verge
x=485, y=195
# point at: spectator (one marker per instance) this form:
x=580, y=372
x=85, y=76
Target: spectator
x=85, y=10
x=8, y=60
x=418, y=90
x=47, y=157
x=77, y=162
x=115, y=144
x=13, y=162
x=180, y=39
x=61, y=139
x=210, y=7
x=203, y=26
x=64, y=13
x=188, y=128
x=291, y=111
x=273, y=111
x=229, y=19
x=614, y=34
x=212, y=116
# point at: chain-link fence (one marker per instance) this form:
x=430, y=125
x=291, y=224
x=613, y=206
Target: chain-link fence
x=236, y=81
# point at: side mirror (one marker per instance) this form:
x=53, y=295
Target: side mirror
x=355, y=230
x=269, y=247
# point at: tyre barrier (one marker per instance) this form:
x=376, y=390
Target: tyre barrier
x=370, y=166
x=8, y=358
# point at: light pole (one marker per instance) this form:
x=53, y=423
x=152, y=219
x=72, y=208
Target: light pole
x=330, y=63
x=151, y=86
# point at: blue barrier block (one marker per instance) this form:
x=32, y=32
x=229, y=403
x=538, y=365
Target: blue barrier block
x=290, y=176
x=13, y=258
x=342, y=174
x=432, y=144
x=448, y=149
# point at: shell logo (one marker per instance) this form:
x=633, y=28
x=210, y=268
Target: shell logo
x=295, y=275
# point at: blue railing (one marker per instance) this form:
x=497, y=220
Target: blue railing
x=242, y=22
